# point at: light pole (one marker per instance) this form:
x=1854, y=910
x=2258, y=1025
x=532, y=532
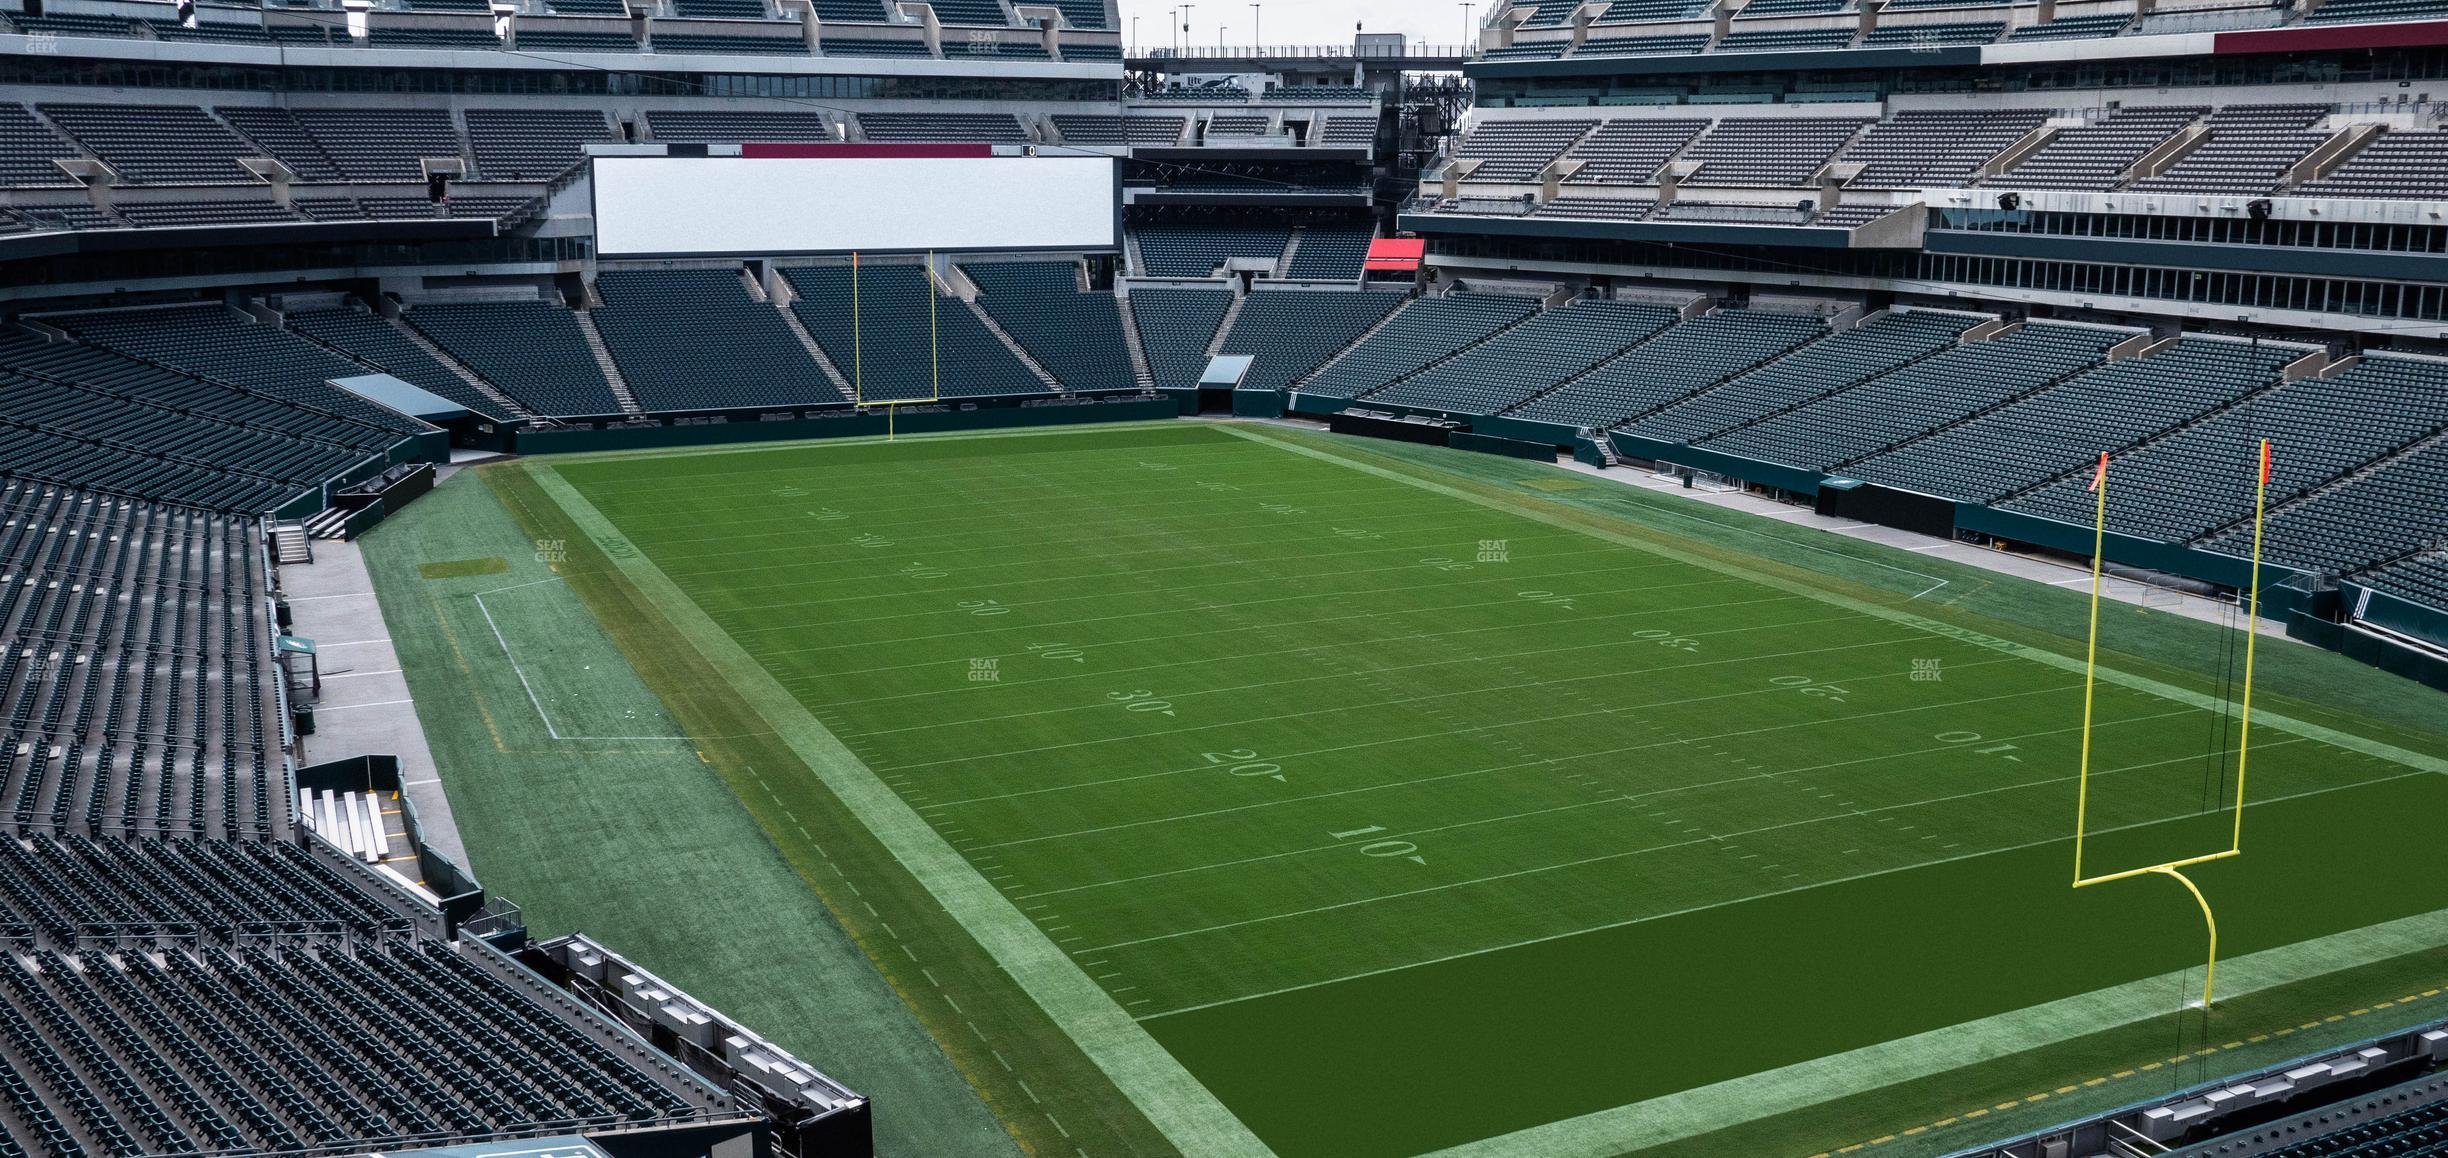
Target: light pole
x=1185, y=28
x=1467, y=25
x=1221, y=29
x=1257, y=30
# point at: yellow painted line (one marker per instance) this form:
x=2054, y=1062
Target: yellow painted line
x=2067, y=1089
x=1916, y=1130
x=1976, y=1114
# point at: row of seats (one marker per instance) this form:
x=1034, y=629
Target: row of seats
x=1074, y=334
x=695, y=339
x=1547, y=351
x=1924, y=396
x=1423, y=332
x=1176, y=327
x=898, y=340
x=148, y=713
x=1679, y=361
x=189, y=145
x=2243, y=149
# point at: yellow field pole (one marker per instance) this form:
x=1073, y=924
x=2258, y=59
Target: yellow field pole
x=858, y=344
x=934, y=340
x=2209, y=975
x=2099, y=559
x=2252, y=637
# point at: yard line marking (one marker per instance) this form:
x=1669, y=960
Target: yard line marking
x=1673, y=743
x=1340, y=676
x=1411, y=700
x=2331, y=736
x=1677, y=913
x=1202, y=661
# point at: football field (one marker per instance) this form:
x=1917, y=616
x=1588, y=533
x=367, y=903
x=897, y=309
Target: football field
x=1335, y=811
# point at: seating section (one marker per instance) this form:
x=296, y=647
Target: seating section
x=137, y=696
x=1093, y=129
x=994, y=128
x=1423, y=332
x=874, y=46
x=1176, y=326
x=2363, y=11
x=157, y=144
x=2072, y=28
x=1349, y=132
x=1642, y=45
x=1769, y=150
x=2066, y=425
x=699, y=126
x=1517, y=150
x=694, y=339
x=1630, y=152
x=2189, y=483
x=726, y=44
x=533, y=351
x=1075, y=335
x=1331, y=253
x=27, y=150
x=1198, y=250
x=2096, y=157
x=1784, y=39
x=1553, y=348
x=1921, y=148
x=2421, y=580
x=2387, y=511
x=533, y=144
x=881, y=334
x=535, y=39
x=94, y=423
x=1922, y=397
x=350, y=144
x=1831, y=364
x=212, y=342
x=364, y=337
x=1938, y=35
x=1292, y=332
x=2250, y=149
x=1682, y=359
x=2396, y=165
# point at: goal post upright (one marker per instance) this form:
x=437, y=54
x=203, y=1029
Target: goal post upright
x=2174, y=869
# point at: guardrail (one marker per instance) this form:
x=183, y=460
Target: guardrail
x=1304, y=52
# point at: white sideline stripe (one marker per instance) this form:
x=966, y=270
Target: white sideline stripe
x=351, y=675
x=532, y=698
x=353, y=642
x=344, y=595
x=321, y=708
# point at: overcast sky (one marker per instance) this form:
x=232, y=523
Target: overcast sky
x=1300, y=21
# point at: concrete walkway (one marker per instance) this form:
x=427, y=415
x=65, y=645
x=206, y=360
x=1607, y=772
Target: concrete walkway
x=365, y=709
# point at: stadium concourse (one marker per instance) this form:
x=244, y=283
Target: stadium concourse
x=1230, y=682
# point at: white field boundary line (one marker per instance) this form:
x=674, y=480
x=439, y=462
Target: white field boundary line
x=1611, y=1132
x=1175, y=1103
x=2327, y=735
x=1673, y=1117
x=549, y=728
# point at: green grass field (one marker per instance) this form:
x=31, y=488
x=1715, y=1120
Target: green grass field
x=1311, y=799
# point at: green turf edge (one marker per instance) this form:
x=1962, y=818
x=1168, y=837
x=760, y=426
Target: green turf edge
x=2430, y=961
x=2310, y=682
x=1175, y=1103
x=1529, y=508
x=1642, y=1126
x=993, y=1033
x=549, y=822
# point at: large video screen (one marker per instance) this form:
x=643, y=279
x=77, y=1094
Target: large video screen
x=753, y=206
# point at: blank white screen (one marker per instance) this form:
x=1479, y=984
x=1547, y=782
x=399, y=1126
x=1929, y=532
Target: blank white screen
x=649, y=206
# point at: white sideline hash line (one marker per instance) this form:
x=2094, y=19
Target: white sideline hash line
x=532, y=698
